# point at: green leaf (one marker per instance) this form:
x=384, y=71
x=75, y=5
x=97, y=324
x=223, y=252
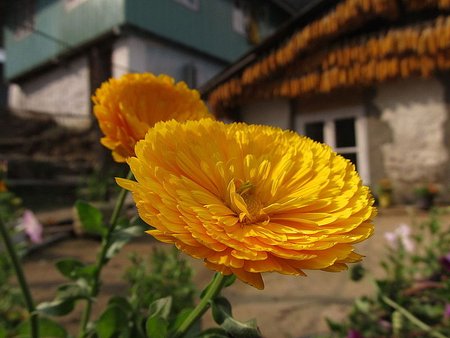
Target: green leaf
x=229, y=280
x=2, y=332
x=120, y=237
x=214, y=333
x=64, y=301
x=112, y=322
x=69, y=267
x=57, y=307
x=156, y=327
x=157, y=324
x=90, y=217
x=182, y=316
x=221, y=310
x=47, y=328
x=194, y=330
x=161, y=307
x=121, y=302
x=362, y=305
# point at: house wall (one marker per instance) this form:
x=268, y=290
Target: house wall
x=274, y=112
x=62, y=92
x=416, y=112
x=58, y=28
x=378, y=134
x=143, y=54
x=206, y=26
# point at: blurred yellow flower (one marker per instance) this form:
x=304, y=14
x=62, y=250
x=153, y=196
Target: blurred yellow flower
x=128, y=106
x=249, y=199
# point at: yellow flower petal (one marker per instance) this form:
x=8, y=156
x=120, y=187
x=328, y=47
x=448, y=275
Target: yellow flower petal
x=128, y=106
x=250, y=199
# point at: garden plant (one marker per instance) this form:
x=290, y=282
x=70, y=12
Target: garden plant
x=245, y=199
x=412, y=299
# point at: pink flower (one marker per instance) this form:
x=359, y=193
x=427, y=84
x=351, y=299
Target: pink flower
x=354, y=334
x=447, y=312
x=402, y=236
x=31, y=226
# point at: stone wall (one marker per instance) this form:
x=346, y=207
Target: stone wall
x=63, y=93
x=416, y=112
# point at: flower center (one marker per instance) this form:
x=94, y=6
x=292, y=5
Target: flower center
x=245, y=202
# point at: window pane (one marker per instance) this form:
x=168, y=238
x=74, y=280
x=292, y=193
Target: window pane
x=352, y=157
x=345, y=132
x=314, y=130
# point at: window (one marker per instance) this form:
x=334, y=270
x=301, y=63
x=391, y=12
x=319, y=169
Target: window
x=344, y=130
x=191, y=4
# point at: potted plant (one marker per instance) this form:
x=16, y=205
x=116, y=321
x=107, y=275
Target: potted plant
x=425, y=195
x=384, y=193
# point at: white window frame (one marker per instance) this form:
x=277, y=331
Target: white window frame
x=328, y=117
x=191, y=4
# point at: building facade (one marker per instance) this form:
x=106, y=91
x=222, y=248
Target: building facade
x=59, y=51
x=370, y=78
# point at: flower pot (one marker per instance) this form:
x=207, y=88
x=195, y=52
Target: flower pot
x=385, y=200
x=425, y=202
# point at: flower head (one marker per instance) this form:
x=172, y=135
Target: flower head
x=249, y=199
x=400, y=236
x=127, y=107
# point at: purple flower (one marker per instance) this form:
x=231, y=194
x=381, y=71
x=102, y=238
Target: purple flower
x=445, y=261
x=354, y=334
x=32, y=227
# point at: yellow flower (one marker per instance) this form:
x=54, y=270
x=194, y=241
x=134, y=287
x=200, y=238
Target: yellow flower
x=127, y=107
x=249, y=199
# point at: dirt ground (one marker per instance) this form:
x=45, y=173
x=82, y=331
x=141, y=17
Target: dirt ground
x=287, y=307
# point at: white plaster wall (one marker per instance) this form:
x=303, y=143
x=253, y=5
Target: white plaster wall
x=270, y=112
x=62, y=93
x=138, y=54
x=415, y=111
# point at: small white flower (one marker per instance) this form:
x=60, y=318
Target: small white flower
x=400, y=235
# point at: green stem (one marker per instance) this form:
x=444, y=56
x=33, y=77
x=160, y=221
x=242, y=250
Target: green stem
x=34, y=320
x=413, y=319
x=214, y=289
x=101, y=259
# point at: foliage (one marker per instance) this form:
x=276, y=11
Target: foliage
x=165, y=274
x=98, y=186
x=10, y=206
x=413, y=298
x=12, y=311
x=424, y=190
